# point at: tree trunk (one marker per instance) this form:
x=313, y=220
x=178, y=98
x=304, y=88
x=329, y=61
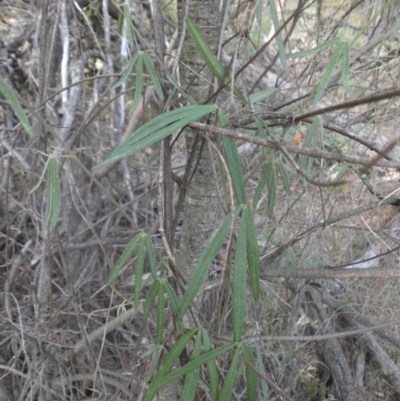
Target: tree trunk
x=201, y=202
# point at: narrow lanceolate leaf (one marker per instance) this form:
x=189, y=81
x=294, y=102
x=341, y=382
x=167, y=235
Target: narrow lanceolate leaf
x=283, y=174
x=240, y=280
x=261, y=95
x=233, y=160
x=139, y=268
x=235, y=168
x=160, y=315
x=150, y=298
x=227, y=388
x=169, y=362
x=16, y=106
x=261, y=368
x=192, y=378
x=157, y=129
x=53, y=194
x=310, y=141
x=201, y=360
x=138, y=83
x=267, y=178
x=208, y=255
x=315, y=50
x=211, y=366
x=346, y=67
x=279, y=40
x=251, y=376
x=123, y=259
x=157, y=351
x=327, y=73
x=173, y=299
x=271, y=185
x=252, y=253
x=127, y=72
x=153, y=75
x=208, y=56
x=151, y=256
x=129, y=31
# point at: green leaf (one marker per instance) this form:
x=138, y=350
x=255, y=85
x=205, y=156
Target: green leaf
x=212, y=368
x=129, y=31
x=153, y=75
x=267, y=177
x=315, y=50
x=251, y=376
x=150, y=297
x=16, y=106
x=139, y=268
x=260, y=367
x=127, y=72
x=227, y=388
x=208, y=255
x=201, y=360
x=123, y=259
x=173, y=298
x=240, y=280
x=151, y=255
x=41, y=178
x=235, y=168
x=138, y=83
x=271, y=185
x=157, y=350
x=192, y=378
x=261, y=95
x=260, y=128
x=345, y=67
x=162, y=378
x=233, y=160
x=327, y=73
x=157, y=129
x=284, y=176
x=208, y=56
x=279, y=40
x=53, y=194
x=160, y=315
x=310, y=141
x=253, y=255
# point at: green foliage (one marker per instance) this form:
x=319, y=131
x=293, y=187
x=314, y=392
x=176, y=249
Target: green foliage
x=16, y=106
x=53, y=192
x=158, y=129
x=208, y=56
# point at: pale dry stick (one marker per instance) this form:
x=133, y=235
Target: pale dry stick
x=100, y=332
x=65, y=52
x=274, y=144
x=317, y=337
